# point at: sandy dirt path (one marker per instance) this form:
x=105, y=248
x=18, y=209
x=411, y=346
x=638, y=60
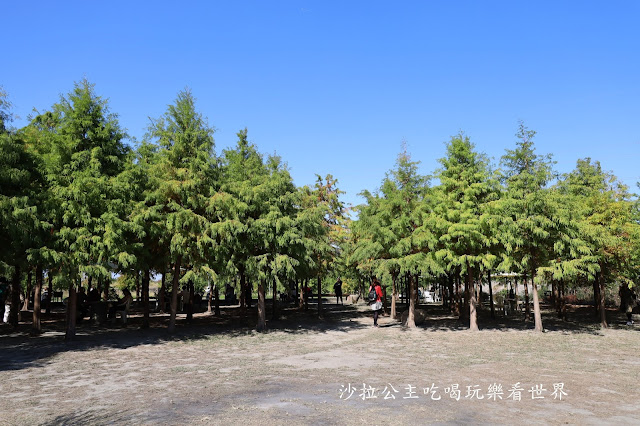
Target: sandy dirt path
x=339, y=370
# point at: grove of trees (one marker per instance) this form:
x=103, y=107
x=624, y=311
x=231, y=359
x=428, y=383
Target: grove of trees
x=80, y=202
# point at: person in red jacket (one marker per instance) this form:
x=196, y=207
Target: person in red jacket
x=377, y=305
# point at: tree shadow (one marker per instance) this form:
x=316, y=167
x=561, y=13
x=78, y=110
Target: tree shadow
x=18, y=349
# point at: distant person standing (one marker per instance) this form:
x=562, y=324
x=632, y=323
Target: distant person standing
x=337, y=289
x=627, y=300
x=375, y=298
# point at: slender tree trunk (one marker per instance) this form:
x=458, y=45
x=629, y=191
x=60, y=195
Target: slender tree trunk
x=72, y=303
x=467, y=293
x=602, y=301
x=36, y=328
x=137, y=286
x=537, y=316
x=556, y=298
x=174, y=295
x=50, y=290
x=300, y=297
x=161, y=292
x=473, y=315
x=89, y=283
x=411, y=317
x=407, y=290
x=563, y=301
x=394, y=290
x=145, y=298
x=249, y=293
x=105, y=297
x=274, y=302
x=319, y=281
x=493, y=308
x=29, y=288
x=190, y=306
x=243, y=293
x=216, y=294
x=527, y=311
x=478, y=279
x=458, y=297
x=596, y=295
x=262, y=322
x=210, y=298
x=452, y=294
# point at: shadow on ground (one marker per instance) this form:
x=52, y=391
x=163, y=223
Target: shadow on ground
x=20, y=350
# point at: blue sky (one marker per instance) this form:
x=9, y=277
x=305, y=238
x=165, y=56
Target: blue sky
x=335, y=87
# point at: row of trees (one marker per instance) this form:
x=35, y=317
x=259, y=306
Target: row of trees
x=576, y=229
x=77, y=201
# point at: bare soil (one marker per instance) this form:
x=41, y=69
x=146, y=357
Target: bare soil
x=306, y=370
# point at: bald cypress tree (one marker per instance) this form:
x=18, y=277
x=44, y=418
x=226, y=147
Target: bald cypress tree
x=83, y=149
x=187, y=169
x=603, y=215
x=460, y=211
x=531, y=223
x=395, y=235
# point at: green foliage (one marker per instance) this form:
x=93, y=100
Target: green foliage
x=461, y=217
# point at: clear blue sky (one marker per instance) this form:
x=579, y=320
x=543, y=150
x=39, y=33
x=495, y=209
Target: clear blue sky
x=335, y=87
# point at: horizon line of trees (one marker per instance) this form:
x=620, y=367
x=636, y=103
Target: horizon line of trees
x=77, y=202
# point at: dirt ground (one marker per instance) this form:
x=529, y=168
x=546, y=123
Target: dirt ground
x=334, y=370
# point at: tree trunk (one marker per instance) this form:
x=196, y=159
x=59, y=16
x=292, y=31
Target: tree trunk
x=249, y=293
x=161, y=292
x=452, y=294
x=36, y=327
x=243, y=295
x=145, y=298
x=596, y=295
x=29, y=288
x=262, y=322
x=50, y=290
x=537, y=316
x=473, y=315
x=72, y=303
x=319, y=281
x=210, y=298
x=602, y=301
x=458, y=295
x=216, y=294
x=189, y=307
x=467, y=293
x=493, y=308
x=478, y=279
x=174, y=295
x=527, y=311
x=300, y=296
x=563, y=301
x=137, y=286
x=274, y=302
x=411, y=317
x=394, y=290
x=105, y=297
